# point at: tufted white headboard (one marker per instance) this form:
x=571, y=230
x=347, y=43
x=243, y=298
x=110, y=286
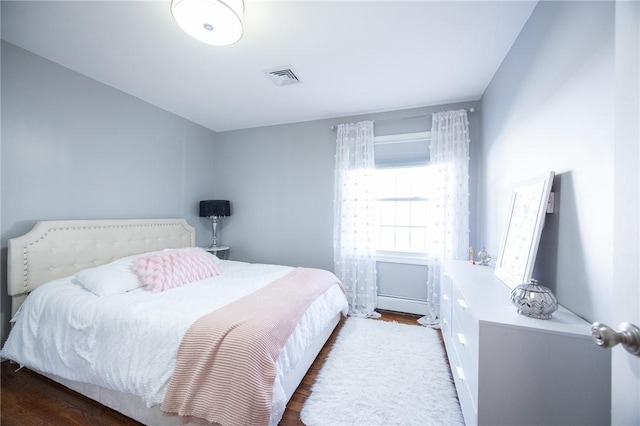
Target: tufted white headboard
x=56, y=249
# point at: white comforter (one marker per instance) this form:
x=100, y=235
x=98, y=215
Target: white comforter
x=129, y=342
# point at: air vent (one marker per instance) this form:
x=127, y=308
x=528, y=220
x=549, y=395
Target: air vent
x=282, y=76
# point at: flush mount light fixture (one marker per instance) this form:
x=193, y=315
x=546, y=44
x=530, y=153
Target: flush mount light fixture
x=216, y=22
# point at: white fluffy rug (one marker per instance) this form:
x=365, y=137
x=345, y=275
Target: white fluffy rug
x=383, y=373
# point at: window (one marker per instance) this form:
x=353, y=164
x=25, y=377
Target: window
x=403, y=176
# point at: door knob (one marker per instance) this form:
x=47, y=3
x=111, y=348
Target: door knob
x=607, y=337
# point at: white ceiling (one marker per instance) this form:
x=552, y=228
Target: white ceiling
x=352, y=57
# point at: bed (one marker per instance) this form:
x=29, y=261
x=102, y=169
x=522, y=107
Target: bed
x=62, y=254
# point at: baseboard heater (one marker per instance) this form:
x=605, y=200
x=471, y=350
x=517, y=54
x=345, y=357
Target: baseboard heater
x=398, y=304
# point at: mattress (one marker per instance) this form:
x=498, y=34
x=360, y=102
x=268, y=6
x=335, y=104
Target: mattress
x=128, y=342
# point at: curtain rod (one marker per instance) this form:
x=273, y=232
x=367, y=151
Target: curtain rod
x=472, y=109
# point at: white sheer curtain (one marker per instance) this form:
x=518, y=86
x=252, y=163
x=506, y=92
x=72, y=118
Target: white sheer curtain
x=355, y=218
x=448, y=229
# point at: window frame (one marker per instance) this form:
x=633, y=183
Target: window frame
x=392, y=256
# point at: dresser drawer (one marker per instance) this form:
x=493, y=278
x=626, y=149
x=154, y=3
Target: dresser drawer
x=445, y=304
x=463, y=388
x=466, y=350
x=467, y=328
x=465, y=340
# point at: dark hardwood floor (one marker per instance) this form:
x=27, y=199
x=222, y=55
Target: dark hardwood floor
x=28, y=399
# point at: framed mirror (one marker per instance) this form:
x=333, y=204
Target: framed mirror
x=521, y=237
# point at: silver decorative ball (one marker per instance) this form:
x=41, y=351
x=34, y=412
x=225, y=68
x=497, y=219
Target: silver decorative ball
x=534, y=300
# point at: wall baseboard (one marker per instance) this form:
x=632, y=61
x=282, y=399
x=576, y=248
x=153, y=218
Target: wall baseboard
x=409, y=306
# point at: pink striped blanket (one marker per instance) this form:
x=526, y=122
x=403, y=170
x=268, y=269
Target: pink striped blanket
x=225, y=367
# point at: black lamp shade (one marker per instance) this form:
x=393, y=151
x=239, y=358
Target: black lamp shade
x=209, y=208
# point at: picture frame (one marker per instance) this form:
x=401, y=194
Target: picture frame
x=521, y=238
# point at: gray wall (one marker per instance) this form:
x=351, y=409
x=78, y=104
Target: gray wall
x=73, y=148
x=551, y=107
x=280, y=182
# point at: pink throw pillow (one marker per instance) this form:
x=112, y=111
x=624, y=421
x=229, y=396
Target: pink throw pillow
x=162, y=271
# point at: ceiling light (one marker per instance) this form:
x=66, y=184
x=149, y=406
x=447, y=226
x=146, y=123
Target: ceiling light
x=217, y=22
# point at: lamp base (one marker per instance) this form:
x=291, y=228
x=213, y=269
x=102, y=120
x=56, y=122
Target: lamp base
x=214, y=230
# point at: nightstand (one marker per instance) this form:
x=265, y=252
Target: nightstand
x=221, y=252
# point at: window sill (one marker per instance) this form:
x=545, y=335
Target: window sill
x=406, y=258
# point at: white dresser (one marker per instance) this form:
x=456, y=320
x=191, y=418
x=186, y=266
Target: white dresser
x=513, y=370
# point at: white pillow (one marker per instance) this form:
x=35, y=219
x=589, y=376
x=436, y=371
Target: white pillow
x=109, y=279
